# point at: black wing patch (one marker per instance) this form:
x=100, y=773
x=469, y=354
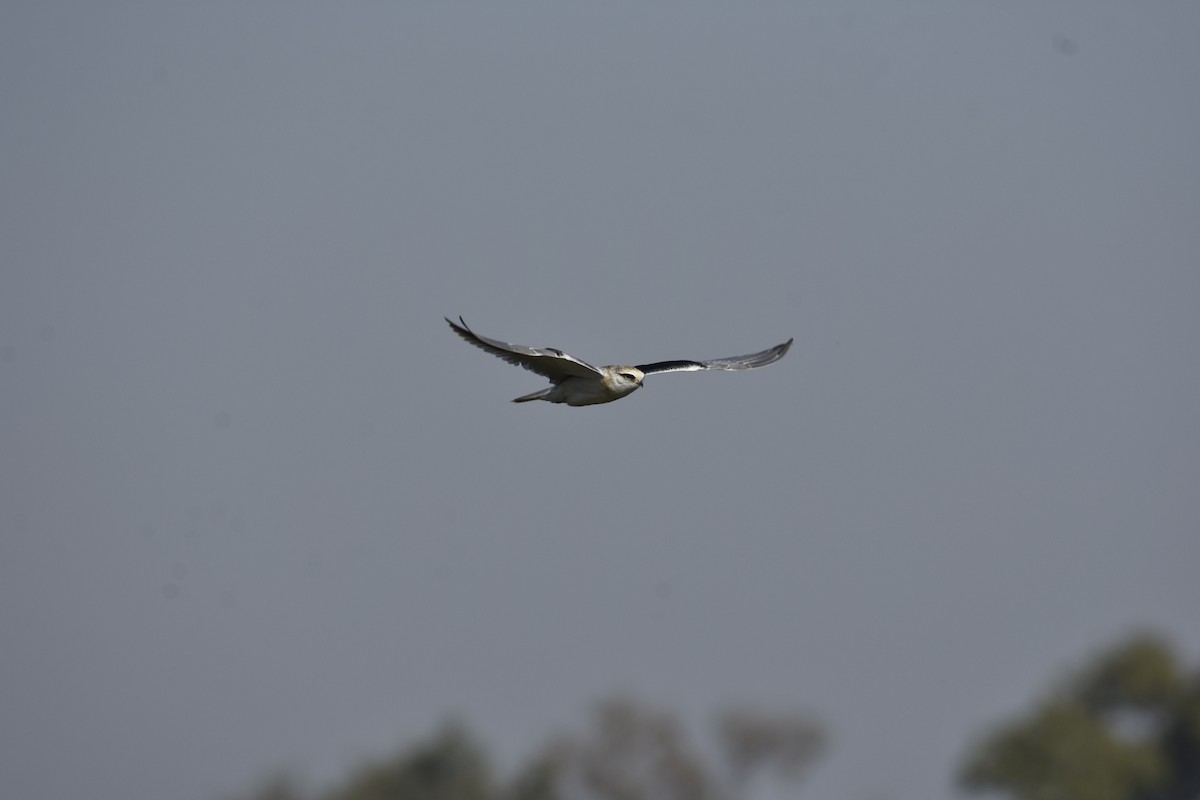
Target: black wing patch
x=751, y=361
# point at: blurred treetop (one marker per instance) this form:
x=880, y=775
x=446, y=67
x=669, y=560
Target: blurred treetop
x=1124, y=727
x=628, y=751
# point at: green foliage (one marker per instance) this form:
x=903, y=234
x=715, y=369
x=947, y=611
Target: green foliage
x=1140, y=675
x=1126, y=727
x=626, y=752
x=1061, y=752
x=448, y=767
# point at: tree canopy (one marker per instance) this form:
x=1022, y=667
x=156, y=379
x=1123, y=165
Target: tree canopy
x=1124, y=727
x=627, y=751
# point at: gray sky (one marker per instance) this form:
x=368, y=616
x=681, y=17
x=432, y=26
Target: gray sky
x=261, y=509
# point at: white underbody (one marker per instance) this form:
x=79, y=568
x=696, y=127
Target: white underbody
x=578, y=391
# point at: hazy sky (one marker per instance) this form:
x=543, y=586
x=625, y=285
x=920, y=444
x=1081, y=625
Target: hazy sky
x=259, y=508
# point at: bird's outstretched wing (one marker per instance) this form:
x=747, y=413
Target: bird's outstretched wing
x=548, y=361
x=733, y=363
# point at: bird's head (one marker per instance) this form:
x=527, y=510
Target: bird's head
x=624, y=380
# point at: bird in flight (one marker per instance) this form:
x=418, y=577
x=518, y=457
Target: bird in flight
x=578, y=383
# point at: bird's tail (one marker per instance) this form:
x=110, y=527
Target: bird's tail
x=540, y=394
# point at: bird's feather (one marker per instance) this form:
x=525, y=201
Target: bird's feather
x=732, y=363
x=547, y=361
